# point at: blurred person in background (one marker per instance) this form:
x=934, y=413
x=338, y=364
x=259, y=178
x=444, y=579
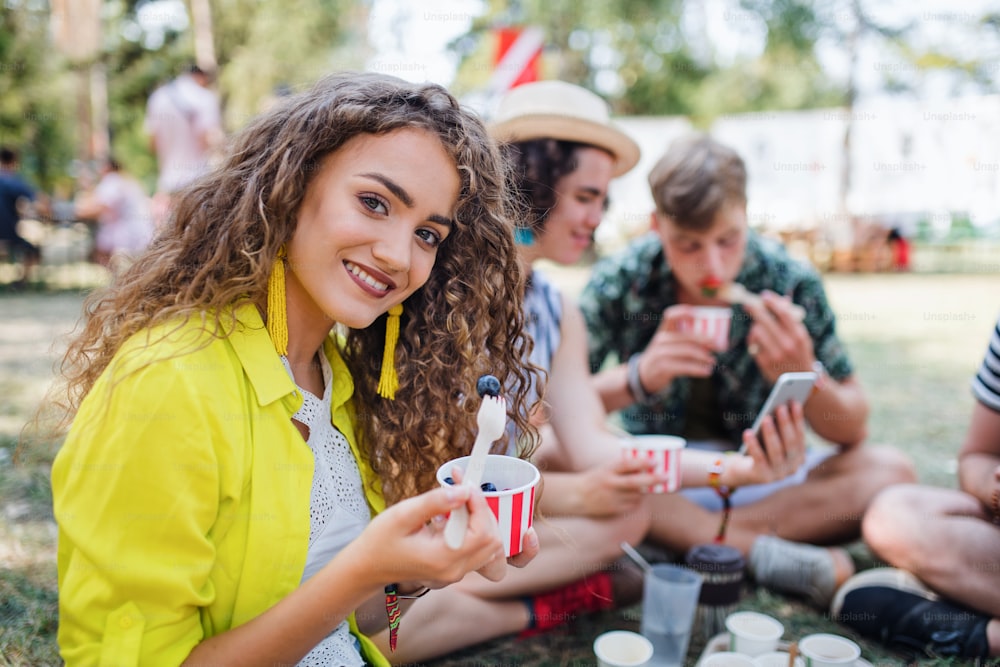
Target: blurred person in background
x=184, y=124
x=121, y=208
x=16, y=200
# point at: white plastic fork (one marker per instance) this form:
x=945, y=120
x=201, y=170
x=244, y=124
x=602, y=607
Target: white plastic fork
x=491, y=419
x=737, y=293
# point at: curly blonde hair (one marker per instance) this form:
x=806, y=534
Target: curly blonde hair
x=222, y=241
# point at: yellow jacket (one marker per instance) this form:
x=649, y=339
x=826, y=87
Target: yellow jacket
x=182, y=494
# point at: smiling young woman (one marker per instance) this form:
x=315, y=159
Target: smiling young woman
x=222, y=491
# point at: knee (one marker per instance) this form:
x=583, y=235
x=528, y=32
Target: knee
x=888, y=524
x=632, y=527
x=891, y=465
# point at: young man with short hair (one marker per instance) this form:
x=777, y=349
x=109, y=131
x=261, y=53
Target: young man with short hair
x=671, y=380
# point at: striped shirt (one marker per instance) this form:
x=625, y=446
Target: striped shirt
x=986, y=384
x=543, y=323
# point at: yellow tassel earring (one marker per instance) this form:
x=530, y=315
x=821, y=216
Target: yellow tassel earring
x=388, y=381
x=277, y=310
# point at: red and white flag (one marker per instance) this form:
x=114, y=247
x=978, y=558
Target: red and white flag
x=517, y=57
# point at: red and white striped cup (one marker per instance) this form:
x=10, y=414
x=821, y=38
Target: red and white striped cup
x=664, y=451
x=513, y=503
x=712, y=321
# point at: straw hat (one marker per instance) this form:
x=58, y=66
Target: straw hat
x=560, y=110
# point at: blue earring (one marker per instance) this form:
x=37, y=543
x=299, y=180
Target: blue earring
x=524, y=235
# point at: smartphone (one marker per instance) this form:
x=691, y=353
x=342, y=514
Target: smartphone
x=789, y=387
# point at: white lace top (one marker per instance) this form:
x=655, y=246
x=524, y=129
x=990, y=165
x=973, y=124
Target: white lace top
x=338, y=511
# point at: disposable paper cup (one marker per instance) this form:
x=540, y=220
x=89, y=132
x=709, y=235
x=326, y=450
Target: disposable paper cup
x=776, y=659
x=727, y=659
x=752, y=633
x=713, y=321
x=825, y=650
x=664, y=451
x=513, y=503
x=621, y=648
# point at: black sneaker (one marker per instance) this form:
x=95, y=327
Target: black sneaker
x=893, y=607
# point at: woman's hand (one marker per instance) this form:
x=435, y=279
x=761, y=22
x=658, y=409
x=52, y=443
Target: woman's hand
x=616, y=487
x=777, y=453
x=406, y=541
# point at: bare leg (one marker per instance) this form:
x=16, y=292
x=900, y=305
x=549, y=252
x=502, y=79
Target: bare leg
x=448, y=620
x=944, y=538
x=476, y=610
x=571, y=549
x=825, y=509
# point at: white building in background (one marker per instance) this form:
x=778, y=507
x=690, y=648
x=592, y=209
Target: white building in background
x=910, y=161
x=930, y=160
x=631, y=203
x=793, y=166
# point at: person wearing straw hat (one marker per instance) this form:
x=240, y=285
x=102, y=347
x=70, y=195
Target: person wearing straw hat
x=565, y=150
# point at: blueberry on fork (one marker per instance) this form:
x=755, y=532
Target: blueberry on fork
x=487, y=385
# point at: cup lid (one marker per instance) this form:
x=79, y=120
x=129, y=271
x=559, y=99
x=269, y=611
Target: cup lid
x=714, y=558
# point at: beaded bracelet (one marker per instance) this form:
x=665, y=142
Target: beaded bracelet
x=634, y=383
x=715, y=481
x=392, y=598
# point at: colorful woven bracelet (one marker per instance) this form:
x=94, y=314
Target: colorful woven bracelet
x=715, y=481
x=392, y=598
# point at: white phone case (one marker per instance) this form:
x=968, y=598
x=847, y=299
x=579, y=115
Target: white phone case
x=789, y=387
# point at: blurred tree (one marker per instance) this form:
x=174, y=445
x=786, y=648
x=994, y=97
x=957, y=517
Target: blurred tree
x=265, y=48
x=204, y=40
x=648, y=57
x=260, y=48
x=35, y=116
x=77, y=33
x=632, y=51
x=654, y=57
x=139, y=54
x=909, y=53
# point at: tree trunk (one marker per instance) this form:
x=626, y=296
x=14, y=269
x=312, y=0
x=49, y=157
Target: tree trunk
x=76, y=30
x=844, y=237
x=204, y=43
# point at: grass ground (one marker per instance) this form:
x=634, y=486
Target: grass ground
x=915, y=339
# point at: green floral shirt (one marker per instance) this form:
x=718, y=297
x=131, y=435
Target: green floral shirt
x=623, y=303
